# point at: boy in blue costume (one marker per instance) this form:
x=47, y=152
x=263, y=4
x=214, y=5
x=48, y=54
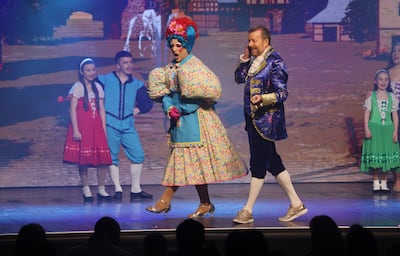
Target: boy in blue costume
x=125, y=96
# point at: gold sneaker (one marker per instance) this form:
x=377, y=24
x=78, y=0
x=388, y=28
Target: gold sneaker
x=294, y=213
x=243, y=217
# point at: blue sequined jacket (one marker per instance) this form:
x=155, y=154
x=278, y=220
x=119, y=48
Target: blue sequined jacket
x=268, y=79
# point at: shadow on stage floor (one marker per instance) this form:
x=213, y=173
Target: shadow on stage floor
x=64, y=215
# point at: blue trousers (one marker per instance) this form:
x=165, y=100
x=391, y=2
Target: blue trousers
x=129, y=139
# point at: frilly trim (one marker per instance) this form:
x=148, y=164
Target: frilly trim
x=185, y=144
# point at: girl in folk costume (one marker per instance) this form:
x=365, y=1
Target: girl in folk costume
x=200, y=150
x=86, y=143
x=380, y=150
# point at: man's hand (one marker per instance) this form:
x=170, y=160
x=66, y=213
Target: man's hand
x=77, y=136
x=246, y=54
x=136, y=111
x=256, y=99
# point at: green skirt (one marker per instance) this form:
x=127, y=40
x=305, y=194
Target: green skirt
x=380, y=152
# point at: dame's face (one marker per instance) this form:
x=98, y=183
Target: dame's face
x=89, y=72
x=396, y=54
x=382, y=81
x=177, y=49
x=256, y=43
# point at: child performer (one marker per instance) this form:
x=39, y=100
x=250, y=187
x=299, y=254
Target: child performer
x=380, y=150
x=86, y=143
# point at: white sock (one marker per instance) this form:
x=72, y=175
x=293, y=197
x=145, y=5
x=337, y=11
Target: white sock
x=286, y=184
x=136, y=173
x=102, y=191
x=255, y=188
x=114, y=174
x=384, y=185
x=375, y=185
x=86, y=191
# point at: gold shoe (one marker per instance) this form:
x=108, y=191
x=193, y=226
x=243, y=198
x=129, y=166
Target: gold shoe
x=293, y=213
x=243, y=217
x=157, y=208
x=203, y=210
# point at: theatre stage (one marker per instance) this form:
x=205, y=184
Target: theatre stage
x=66, y=218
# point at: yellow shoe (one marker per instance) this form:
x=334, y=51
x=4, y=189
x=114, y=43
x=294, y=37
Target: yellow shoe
x=293, y=213
x=243, y=217
x=203, y=210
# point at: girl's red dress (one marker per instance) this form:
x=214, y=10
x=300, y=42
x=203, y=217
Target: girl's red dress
x=93, y=149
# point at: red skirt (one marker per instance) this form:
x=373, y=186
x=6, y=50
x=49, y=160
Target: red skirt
x=92, y=149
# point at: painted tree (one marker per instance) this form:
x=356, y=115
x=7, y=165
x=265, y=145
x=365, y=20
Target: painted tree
x=360, y=21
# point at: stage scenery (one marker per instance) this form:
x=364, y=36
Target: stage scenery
x=332, y=50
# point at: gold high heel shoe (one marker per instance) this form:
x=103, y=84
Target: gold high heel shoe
x=203, y=210
x=154, y=208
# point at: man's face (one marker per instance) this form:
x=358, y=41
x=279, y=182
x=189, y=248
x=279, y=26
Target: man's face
x=178, y=50
x=125, y=65
x=257, y=44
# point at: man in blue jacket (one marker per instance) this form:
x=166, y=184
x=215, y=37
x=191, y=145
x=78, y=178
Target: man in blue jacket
x=125, y=96
x=265, y=76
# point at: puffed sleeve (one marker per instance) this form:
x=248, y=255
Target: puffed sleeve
x=367, y=103
x=76, y=90
x=157, y=84
x=196, y=80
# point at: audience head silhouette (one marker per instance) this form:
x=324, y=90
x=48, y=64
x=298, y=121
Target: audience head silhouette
x=190, y=235
x=107, y=229
x=326, y=238
x=31, y=240
x=361, y=241
x=104, y=241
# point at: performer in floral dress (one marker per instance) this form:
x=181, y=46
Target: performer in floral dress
x=200, y=149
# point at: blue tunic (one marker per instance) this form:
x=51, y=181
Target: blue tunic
x=119, y=102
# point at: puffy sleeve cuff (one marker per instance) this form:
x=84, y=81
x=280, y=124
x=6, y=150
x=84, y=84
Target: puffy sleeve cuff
x=269, y=99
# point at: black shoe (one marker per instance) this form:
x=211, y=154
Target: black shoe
x=118, y=196
x=385, y=191
x=87, y=199
x=141, y=196
x=103, y=198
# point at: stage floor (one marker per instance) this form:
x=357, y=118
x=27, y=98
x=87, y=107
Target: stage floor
x=61, y=209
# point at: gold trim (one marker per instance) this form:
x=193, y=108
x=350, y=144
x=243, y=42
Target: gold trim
x=259, y=132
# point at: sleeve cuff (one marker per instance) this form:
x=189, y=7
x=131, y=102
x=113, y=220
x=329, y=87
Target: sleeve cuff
x=269, y=99
x=243, y=60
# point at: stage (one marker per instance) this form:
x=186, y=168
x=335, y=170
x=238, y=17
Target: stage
x=66, y=218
